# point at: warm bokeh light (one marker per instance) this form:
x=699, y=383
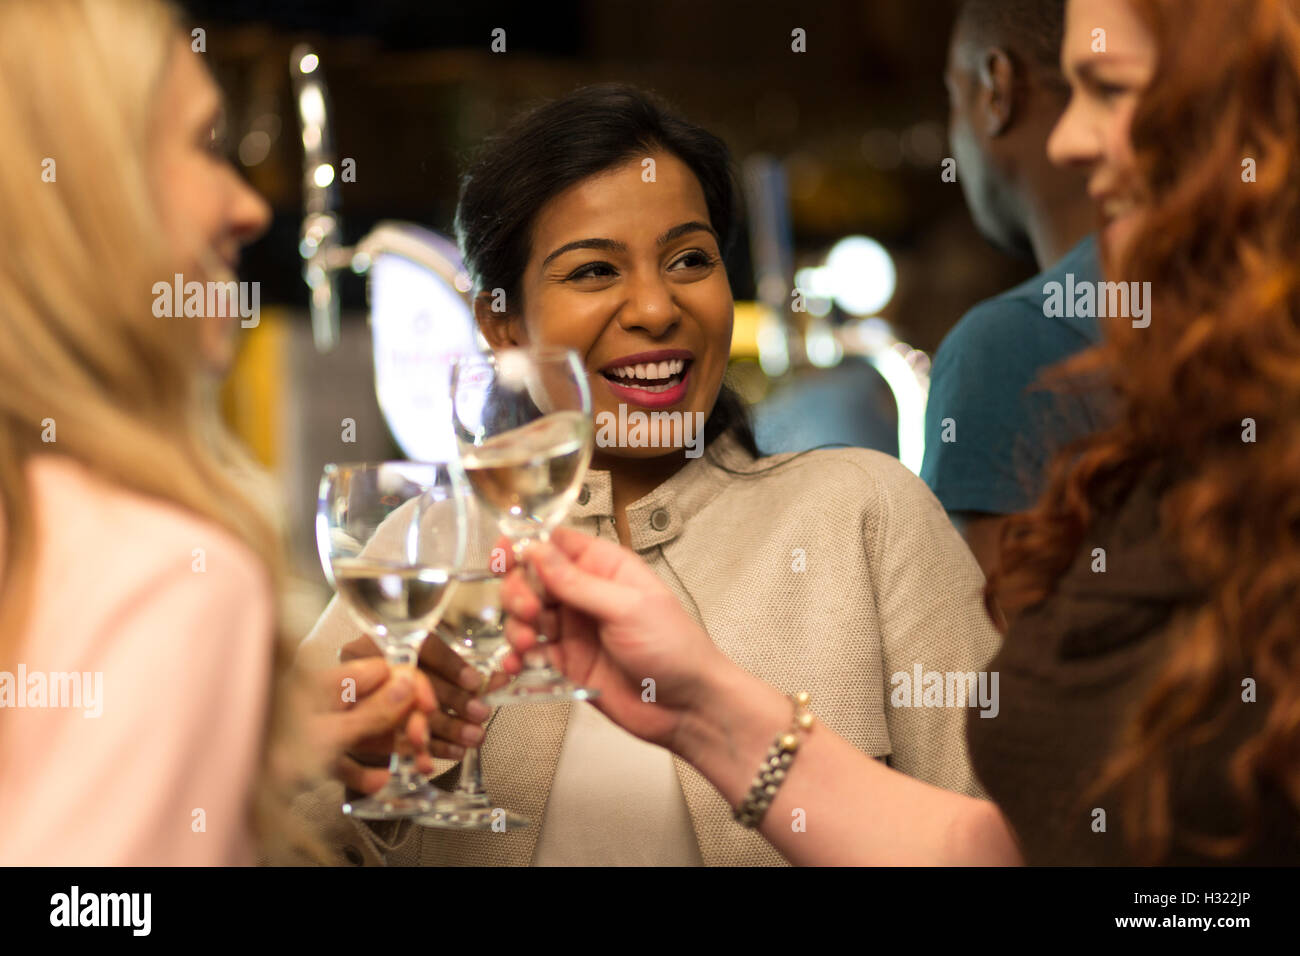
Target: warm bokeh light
x=860, y=275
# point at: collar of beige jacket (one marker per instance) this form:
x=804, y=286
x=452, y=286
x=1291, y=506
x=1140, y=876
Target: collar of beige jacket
x=661, y=515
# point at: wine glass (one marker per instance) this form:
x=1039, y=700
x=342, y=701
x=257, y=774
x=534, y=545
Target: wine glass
x=392, y=537
x=473, y=625
x=522, y=419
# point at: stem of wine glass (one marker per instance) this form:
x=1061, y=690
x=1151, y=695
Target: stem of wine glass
x=401, y=765
x=471, y=774
x=471, y=771
x=537, y=658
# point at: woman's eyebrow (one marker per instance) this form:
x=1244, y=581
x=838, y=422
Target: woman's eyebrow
x=676, y=232
x=211, y=105
x=605, y=245
x=1087, y=69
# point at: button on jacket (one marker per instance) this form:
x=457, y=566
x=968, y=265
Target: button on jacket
x=835, y=571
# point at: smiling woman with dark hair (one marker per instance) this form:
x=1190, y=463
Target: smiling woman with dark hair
x=598, y=222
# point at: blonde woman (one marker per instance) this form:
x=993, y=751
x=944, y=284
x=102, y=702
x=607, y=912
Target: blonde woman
x=137, y=575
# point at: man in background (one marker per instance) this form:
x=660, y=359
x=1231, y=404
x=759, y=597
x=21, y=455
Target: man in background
x=989, y=435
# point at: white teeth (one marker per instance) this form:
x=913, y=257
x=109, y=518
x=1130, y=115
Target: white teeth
x=654, y=371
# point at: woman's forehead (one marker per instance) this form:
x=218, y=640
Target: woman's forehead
x=633, y=198
x=189, y=95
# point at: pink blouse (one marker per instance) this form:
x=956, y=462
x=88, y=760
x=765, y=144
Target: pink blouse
x=132, y=706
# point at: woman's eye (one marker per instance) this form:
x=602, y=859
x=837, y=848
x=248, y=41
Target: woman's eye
x=695, y=259
x=592, y=270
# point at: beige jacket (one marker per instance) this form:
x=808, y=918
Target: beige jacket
x=828, y=574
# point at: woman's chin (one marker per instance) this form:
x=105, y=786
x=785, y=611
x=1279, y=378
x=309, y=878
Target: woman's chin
x=1117, y=237
x=639, y=454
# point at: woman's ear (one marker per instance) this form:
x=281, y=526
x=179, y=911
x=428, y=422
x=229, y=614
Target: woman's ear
x=502, y=329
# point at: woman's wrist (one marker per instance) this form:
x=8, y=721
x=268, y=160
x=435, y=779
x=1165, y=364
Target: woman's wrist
x=729, y=727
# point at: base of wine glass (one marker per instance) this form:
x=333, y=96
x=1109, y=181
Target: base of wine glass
x=473, y=812
x=399, y=803
x=539, y=686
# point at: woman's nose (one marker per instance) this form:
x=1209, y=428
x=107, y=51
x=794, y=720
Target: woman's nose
x=1072, y=142
x=651, y=307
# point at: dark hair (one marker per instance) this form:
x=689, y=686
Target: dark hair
x=559, y=144
x=1029, y=30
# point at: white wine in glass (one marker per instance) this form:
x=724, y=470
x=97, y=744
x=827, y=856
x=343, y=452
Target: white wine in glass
x=531, y=474
x=401, y=601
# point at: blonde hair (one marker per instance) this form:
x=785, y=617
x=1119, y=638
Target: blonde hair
x=81, y=246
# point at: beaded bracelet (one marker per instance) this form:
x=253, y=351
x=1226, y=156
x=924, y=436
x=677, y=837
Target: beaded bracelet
x=774, y=768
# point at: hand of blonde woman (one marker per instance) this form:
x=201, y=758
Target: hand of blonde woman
x=618, y=629
x=356, y=709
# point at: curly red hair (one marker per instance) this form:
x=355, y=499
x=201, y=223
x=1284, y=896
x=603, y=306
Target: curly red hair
x=1223, y=258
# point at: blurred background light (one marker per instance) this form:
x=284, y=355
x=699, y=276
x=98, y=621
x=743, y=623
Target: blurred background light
x=311, y=105
x=254, y=147
x=923, y=144
x=821, y=346
x=812, y=283
x=860, y=275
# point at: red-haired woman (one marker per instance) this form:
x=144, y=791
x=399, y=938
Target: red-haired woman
x=1150, y=680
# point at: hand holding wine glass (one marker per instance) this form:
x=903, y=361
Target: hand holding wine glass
x=356, y=707
x=618, y=626
x=458, y=687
